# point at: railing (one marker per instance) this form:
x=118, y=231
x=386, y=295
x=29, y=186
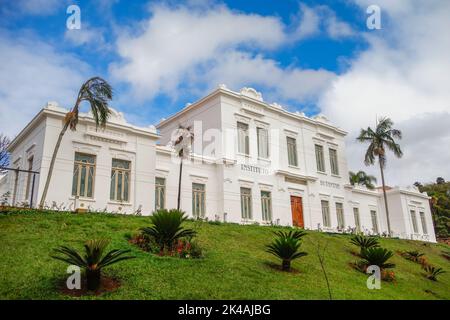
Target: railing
x=21, y=188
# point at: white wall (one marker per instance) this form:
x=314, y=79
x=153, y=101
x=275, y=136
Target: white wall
x=30, y=145
x=118, y=140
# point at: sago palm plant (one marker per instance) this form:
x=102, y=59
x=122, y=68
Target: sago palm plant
x=431, y=272
x=296, y=234
x=167, y=228
x=286, y=247
x=97, y=92
x=364, y=242
x=413, y=255
x=93, y=260
x=377, y=256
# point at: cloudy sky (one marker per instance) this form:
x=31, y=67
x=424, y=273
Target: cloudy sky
x=316, y=57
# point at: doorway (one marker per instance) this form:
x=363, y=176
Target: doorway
x=297, y=212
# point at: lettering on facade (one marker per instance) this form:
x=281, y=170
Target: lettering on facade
x=254, y=169
x=329, y=184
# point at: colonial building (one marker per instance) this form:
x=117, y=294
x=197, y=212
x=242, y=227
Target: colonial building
x=250, y=162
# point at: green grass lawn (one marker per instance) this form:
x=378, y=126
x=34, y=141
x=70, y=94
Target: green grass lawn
x=235, y=265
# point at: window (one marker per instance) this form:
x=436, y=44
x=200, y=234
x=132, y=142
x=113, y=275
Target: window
x=334, y=162
x=319, y=158
x=120, y=180
x=414, y=221
x=340, y=215
x=243, y=138
x=424, y=222
x=326, y=213
x=160, y=193
x=266, y=206
x=83, y=175
x=373, y=215
x=246, y=203
x=263, y=143
x=29, y=186
x=357, y=221
x=198, y=200
x=292, y=151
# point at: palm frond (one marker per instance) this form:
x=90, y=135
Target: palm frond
x=98, y=93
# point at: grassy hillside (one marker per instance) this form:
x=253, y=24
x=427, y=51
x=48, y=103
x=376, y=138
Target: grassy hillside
x=235, y=265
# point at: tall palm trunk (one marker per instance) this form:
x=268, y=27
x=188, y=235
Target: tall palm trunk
x=179, y=184
x=52, y=164
x=385, y=198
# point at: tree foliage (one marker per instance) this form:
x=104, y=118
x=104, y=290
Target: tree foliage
x=4, y=155
x=363, y=179
x=440, y=206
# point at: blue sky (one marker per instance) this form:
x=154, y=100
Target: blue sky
x=312, y=56
x=107, y=21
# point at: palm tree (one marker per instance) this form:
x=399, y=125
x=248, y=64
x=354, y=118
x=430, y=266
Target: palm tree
x=97, y=92
x=363, y=179
x=182, y=145
x=379, y=139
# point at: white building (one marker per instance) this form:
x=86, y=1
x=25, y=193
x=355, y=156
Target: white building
x=251, y=162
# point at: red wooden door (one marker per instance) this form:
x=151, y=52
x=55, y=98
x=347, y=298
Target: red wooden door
x=297, y=212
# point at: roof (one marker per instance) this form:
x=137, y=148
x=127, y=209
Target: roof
x=251, y=95
x=116, y=120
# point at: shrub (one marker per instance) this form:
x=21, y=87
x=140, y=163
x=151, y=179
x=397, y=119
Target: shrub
x=286, y=247
x=144, y=242
x=387, y=275
x=432, y=272
x=414, y=256
x=167, y=229
x=377, y=256
x=93, y=261
x=364, y=242
x=296, y=234
x=187, y=249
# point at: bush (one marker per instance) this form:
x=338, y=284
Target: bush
x=286, y=247
x=296, y=234
x=188, y=249
x=414, y=256
x=144, y=242
x=432, y=272
x=93, y=261
x=364, y=242
x=377, y=256
x=167, y=229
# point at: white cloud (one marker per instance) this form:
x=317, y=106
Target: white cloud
x=238, y=69
x=32, y=73
x=308, y=24
x=336, y=28
x=175, y=40
x=404, y=75
x=87, y=36
x=315, y=20
x=183, y=46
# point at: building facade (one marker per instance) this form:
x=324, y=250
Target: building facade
x=250, y=162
